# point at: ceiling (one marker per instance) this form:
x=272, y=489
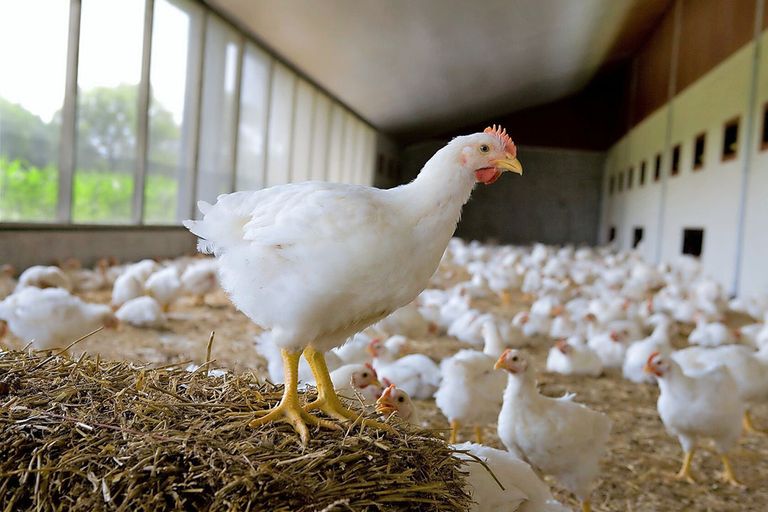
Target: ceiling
x=414, y=67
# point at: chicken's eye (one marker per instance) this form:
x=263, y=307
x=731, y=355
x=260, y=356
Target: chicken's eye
x=400, y=399
x=365, y=375
x=484, y=148
x=515, y=358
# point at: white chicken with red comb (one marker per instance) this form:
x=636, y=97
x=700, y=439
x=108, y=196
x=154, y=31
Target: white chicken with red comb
x=692, y=407
x=318, y=262
x=558, y=436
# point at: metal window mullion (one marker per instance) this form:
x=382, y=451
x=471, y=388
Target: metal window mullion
x=68, y=134
x=292, y=129
x=236, y=115
x=267, y=115
x=142, y=117
x=311, y=148
x=195, y=143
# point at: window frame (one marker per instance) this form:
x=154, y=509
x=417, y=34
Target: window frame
x=674, y=164
x=702, y=136
x=727, y=157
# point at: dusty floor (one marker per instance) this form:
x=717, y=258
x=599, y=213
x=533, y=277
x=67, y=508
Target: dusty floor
x=636, y=473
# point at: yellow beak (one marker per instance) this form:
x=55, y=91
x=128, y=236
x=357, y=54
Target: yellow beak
x=509, y=163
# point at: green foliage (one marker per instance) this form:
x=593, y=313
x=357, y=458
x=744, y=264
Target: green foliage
x=29, y=193
x=103, y=183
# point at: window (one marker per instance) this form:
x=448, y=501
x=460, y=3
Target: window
x=612, y=234
x=320, y=128
x=301, y=138
x=730, y=139
x=280, y=125
x=348, y=155
x=621, y=182
x=657, y=168
x=174, y=71
x=252, y=129
x=642, y=173
x=675, y=160
x=217, y=122
x=637, y=237
x=693, y=241
x=107, y=81
x=33, y=68
x=764, y=137
x=630, y=178
x=698, y=151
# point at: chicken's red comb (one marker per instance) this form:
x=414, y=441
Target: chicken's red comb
x=370, y=367
x=504, y=138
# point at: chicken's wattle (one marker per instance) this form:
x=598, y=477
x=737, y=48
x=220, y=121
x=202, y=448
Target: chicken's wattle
x=487, y=175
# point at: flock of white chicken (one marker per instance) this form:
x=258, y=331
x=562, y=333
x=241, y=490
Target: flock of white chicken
x=596, y=308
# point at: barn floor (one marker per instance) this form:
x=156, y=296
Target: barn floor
x=637, y=473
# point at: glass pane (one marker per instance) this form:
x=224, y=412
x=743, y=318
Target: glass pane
x=280, y=122
x=109, y=71
x=350, y=140
x=360, y=142
x=33, y=56
x=319, y=157
x=218, y=111
x=302, y=132
x=176, y=28
x=254, y=95
x=336, y=142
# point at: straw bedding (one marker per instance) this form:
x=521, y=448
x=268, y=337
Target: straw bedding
x=84, y=434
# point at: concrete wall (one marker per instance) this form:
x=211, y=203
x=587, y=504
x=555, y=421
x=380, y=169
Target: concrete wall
x=24, y=246
x=556, y=201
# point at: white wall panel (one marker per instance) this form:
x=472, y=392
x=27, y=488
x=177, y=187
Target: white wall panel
x=301, y=139
x=280, y=124
x=320, y=137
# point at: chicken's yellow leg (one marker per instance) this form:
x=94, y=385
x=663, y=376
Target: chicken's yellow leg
x=478, y=434
x=586, y=505
x=327, y=399
x=685, y=470
x=454, y=432
x=749, y=426
x=728, y=474
x=289, y=409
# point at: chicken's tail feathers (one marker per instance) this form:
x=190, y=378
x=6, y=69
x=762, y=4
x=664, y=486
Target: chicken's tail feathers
x=220, y=228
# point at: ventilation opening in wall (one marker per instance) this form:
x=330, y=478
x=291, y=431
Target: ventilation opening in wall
x=642, y=173
x=630, y=177
x=676, y=160
x=637, y=237
x=611, y=184
x=764, y=138
x=612, y=234
x=693, y=241
x=731, y=139
x=621, y=181
x=698, y=151
x=657, y=168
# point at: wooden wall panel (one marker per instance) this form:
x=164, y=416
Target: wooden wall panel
x=653, y=69
x=710, y=31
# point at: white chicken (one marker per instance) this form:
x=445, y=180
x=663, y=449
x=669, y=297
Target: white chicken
x=416, y=374
x=638, y=353
x=40, y=276
x=556, y=435
x=470, y=391
x=128, y=286
x=396, y=401
x=164, y=286
x=306, y=259
x=523, y=491
x=407, y=321
x=573, y=357
x=199, y=279
x=749, y=369
x=711, y=334
x=52, y=317
x=141, y=312
x=353, y=379
x=706, y=405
